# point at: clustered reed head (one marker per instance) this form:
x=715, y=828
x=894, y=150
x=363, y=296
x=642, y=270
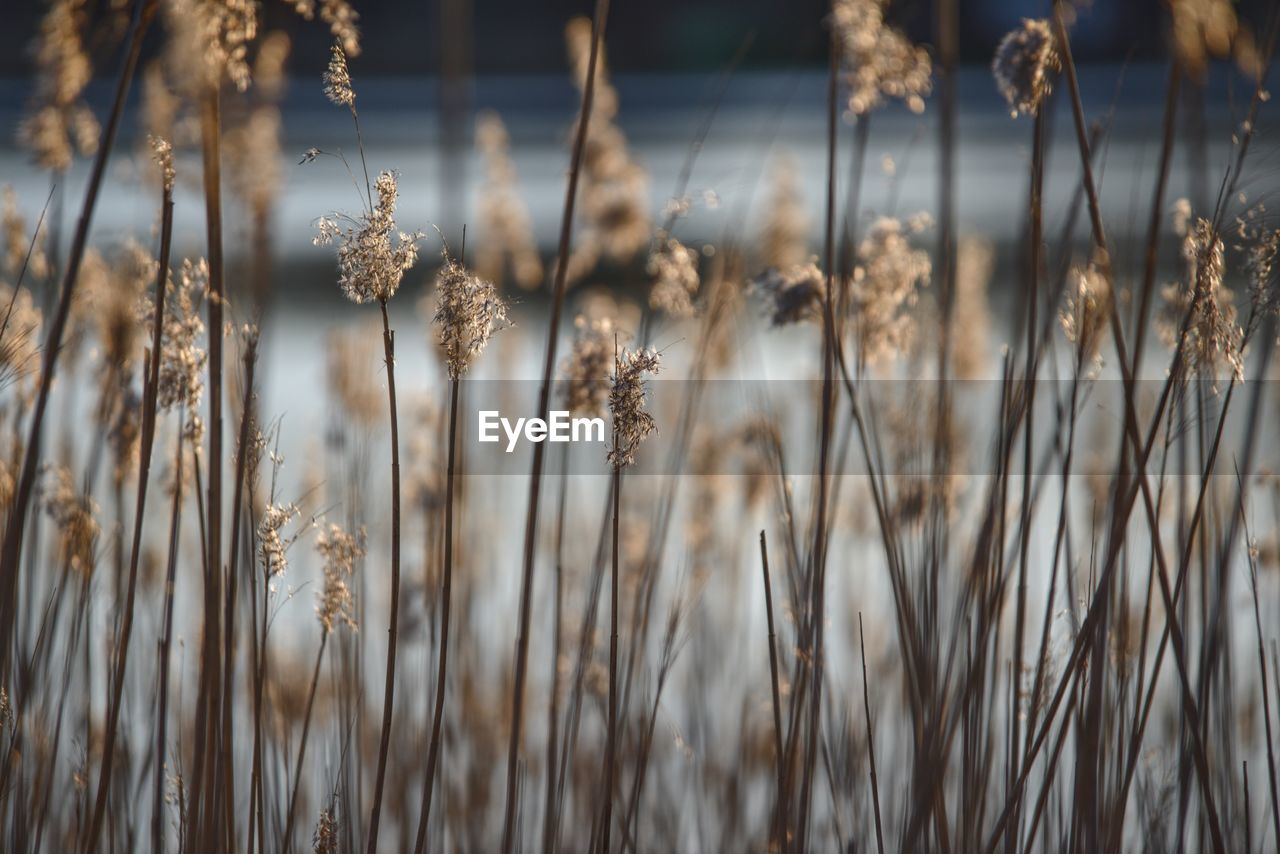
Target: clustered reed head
x=632, y=423
x=373, y=254
x=337, y=79
x=20, y=248
x=674, y=267
x=210, y=41
x=1024, y=65
x=886, y=284
x=182, y=356
x=340, y=17
x=794, y=295
x=468, y=312
x=60, y=124
x=879, y=60
x=615, y=188
x=784, y=239
x=74, y=516
x=273, y=543
x=20, y=320
x=587, y=367
x=1213, y=337
x=162, y=153
x=340, y=551
x=1204, y=29
x=1084, y=318
x=506, y=227
x=325, y=839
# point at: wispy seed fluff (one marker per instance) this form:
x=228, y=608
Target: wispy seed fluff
x=19, y=343
x=19, y=247
x=372, y=254
x=880, y=62
x=211, y=40
x=162, y=153
x=337, y=80
x=784, y=239
x=1084, y=318
x=468, y=312
x=59, y=123
x=274, y=545
x=886, y=282
x=340, y=551
x=506, y=228
x=586, y=369
x=794, y=295
x=1024, y=65
x=325, y=839
x=632, y=423
x=1213, y=337
x=74, y=518
x=340, y=17
x=182, y=358
x=674, y=267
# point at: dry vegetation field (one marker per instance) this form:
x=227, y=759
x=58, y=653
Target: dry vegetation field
x=859, y=613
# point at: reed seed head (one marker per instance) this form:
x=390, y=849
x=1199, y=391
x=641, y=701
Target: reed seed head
x=587, y=367
x=886, y=285
x=74, y=516
x=340, y=551
x=1213, y=338
x=274, y=544
x=880, y=61
x=339, y=15
x=632, y=423
x=1084, y=319
x=21, y=248
x=674, y=267
x=21, y=319
x=337, y=80
x=1024, y=65
x=506, y=227
x=162, y=152
x=468, y=312
x=325, y=839
x=794, y=295
x=372, y=254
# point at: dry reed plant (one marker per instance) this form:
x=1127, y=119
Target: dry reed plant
x=1013, y=497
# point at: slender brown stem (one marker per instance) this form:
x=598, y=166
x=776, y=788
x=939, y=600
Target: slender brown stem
x=871, y=740
x=393, y=631
x=544, y=401
x=146, y=442
x=611, y=743
x=446, y=597
x=166, y=642
x=780, y=831
x=11, y=551
x=287, y=840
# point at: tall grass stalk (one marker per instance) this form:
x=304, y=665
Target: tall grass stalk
x=599, y=20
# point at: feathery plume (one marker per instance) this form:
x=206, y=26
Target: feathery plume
x=340, y=17
x=337, y=80
x=1084, y=318
x=19, y=247
x=274, y=546
x=784, y=238
x=632, y=423
x=1024, y=65
x=1213, y=336
x=468, y=312
x=370, y=265
x=674, y=267
x=19, y=342
x=325, y=840
x=59, y=123
x=339, y=551
x=210, y=41
x=586, y=369
x=885, y=284
x=182, y=359
x=793, y=296
x=972, y=318
x=879, y=60
x=506, y=228
x=74, y=515
x=162, y=152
